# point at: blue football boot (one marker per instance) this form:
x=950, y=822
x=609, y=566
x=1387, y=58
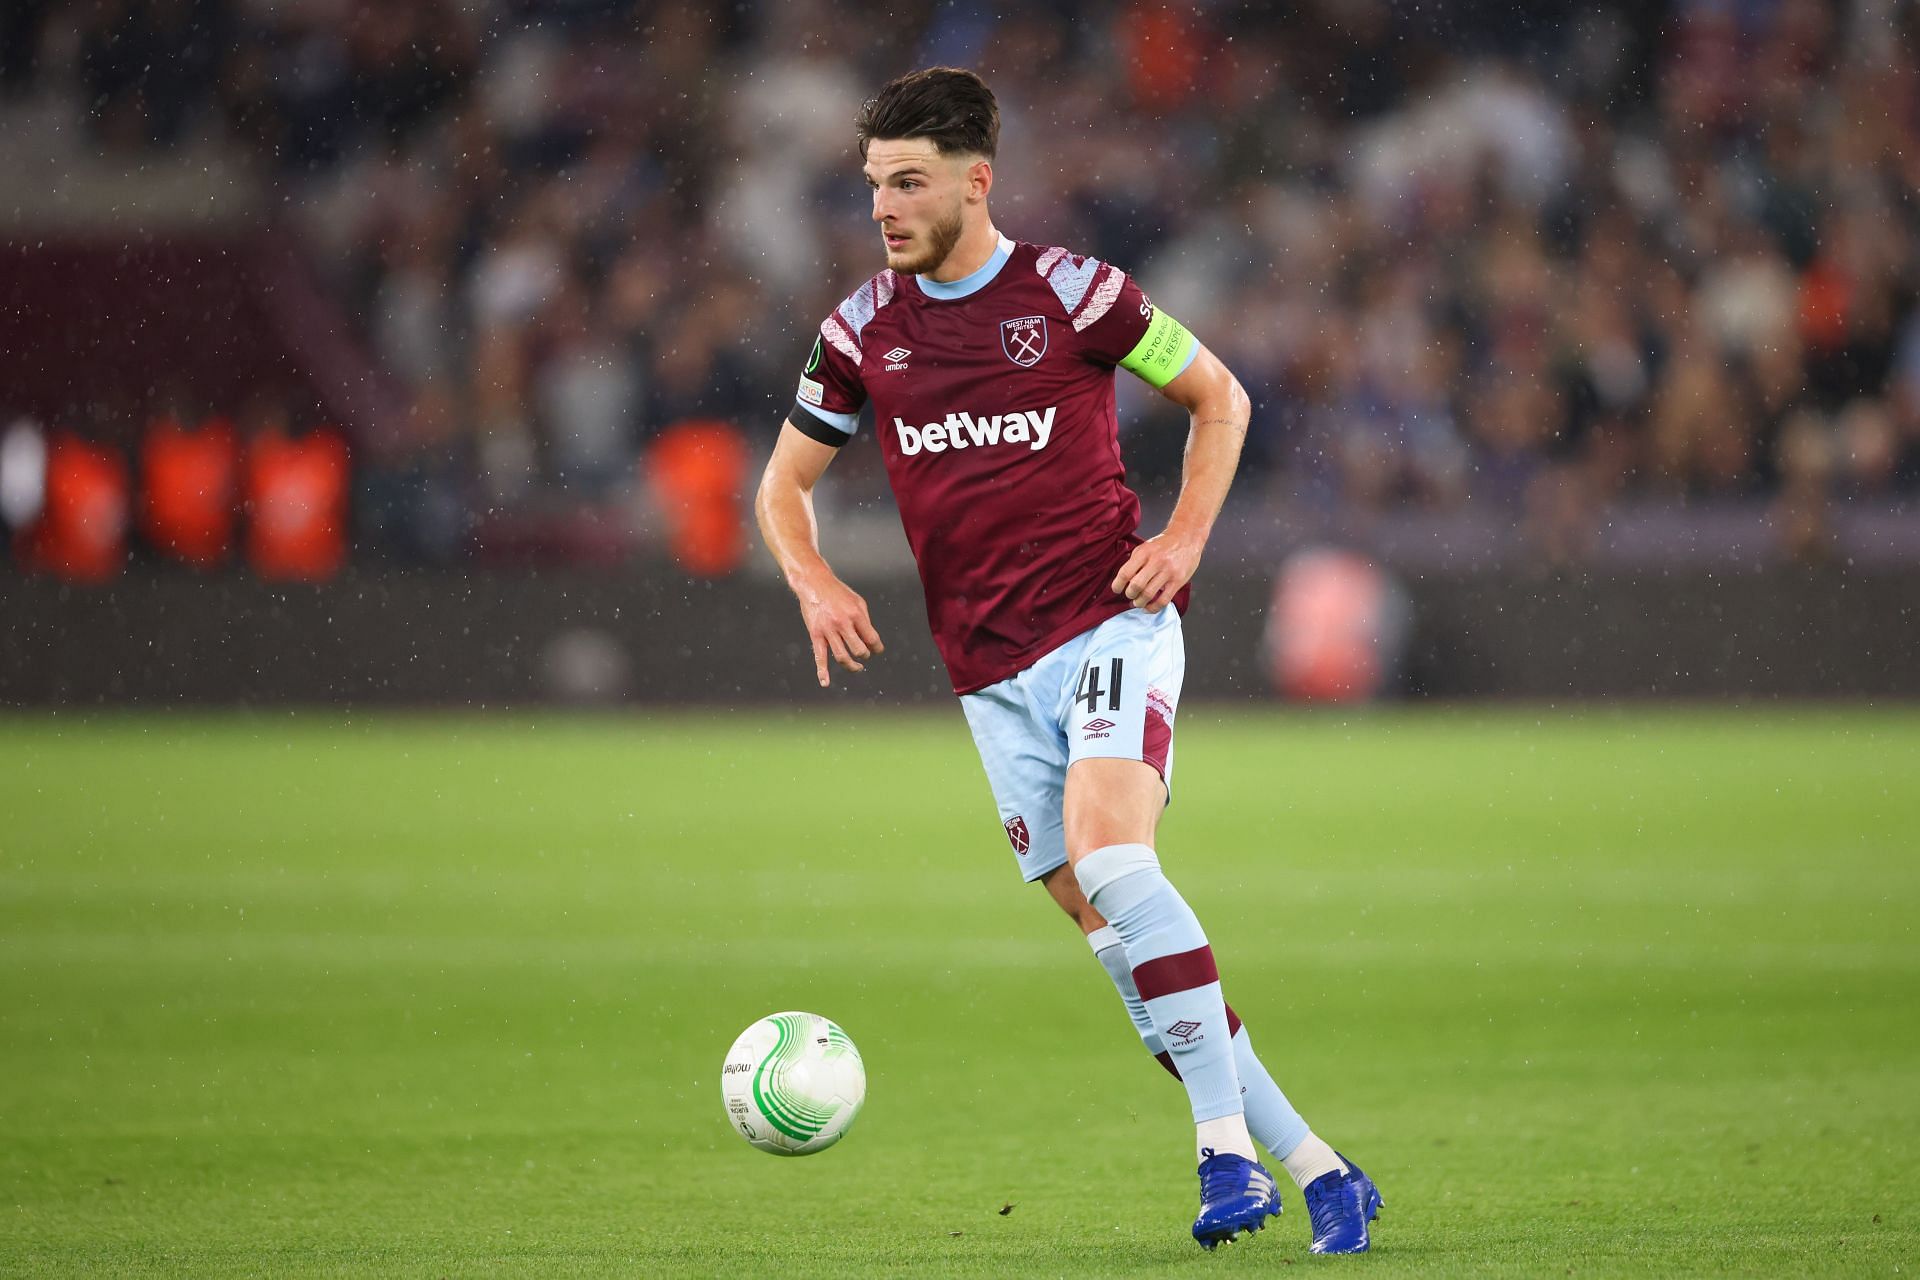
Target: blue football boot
x=1236, y=1194
x=1339, y=1207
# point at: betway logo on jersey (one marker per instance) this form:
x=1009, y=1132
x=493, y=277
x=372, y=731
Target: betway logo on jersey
x=1030, y=427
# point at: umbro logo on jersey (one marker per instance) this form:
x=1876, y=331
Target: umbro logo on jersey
x=897, y=358
x=1030, y=427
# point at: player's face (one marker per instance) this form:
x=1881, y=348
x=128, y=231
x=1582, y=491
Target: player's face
x=919, y=197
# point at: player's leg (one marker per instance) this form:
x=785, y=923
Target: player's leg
x=1271, y=1118
x=1111, y=809
x=1116, y=713
x=1341, y=1200
x=1024, y=753
x=1120, y=744
x=1111, y=812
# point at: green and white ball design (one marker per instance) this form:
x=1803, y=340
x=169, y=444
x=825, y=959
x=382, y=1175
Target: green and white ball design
x=792, y=1083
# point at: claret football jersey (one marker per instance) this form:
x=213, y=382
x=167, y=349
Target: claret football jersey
x=993, y=402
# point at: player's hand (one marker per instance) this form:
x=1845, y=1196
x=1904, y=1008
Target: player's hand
x=837, y=623
x=1157, y=569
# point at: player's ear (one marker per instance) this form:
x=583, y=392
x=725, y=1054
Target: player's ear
x=979, y=179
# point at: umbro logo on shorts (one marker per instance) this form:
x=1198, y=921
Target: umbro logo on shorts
x=1096, y=728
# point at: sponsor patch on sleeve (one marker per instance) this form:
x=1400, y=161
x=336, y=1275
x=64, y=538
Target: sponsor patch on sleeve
x=1163, y=352
x=811, y=392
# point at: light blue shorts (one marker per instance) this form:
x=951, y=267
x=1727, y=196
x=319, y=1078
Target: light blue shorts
x=1108, y=693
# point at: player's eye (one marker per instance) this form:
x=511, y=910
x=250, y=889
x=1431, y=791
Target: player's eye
x=908, y=185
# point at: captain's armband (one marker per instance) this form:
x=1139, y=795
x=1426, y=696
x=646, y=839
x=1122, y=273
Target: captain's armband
x=1163, y=352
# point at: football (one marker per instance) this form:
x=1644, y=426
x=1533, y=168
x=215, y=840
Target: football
x=792, y=1084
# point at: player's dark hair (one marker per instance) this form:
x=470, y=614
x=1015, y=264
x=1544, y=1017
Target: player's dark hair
x=949, y=106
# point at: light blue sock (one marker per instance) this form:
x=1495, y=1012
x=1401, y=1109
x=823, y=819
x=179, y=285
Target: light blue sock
x=1112, y=955
x=1271, y=1119
x=1173, y=970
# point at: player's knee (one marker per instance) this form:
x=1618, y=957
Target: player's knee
x=1111, y=801
x=1097, y=831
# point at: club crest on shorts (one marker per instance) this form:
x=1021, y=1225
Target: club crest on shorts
x=1017, y=834
x=1024, y=340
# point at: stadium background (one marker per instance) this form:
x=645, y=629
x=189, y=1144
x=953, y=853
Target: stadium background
x=422, y=355
x=1602, y=316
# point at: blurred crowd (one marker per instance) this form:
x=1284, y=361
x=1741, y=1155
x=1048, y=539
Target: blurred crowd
x=1537, y=260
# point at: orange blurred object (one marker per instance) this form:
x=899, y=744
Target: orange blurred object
x=81, y=534
x=698, y=469
x=187, y=489
x=1162, y=51
x=1325, y=627
x=1826, y=304
x=296, y=497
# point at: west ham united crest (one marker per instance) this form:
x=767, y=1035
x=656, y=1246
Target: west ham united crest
x=1024, y=340
x=1017, y=835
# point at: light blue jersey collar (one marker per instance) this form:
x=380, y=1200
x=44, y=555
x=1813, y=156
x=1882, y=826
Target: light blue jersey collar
x=948, y=290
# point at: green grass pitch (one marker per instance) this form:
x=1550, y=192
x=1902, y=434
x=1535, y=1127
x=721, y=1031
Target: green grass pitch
x=1628, y=992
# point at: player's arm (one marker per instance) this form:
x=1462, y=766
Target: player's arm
x=1208, y=391
x=835, y=615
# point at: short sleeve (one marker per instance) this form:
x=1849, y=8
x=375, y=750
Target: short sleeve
x=1136, y=335
x=828, y=402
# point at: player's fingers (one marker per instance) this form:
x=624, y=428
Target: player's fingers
x=819, y=658
x=1145, y=578
x=1128, y=570
x=1164, y=596
x=838, y=646
x=862, y=625
x=856, y=642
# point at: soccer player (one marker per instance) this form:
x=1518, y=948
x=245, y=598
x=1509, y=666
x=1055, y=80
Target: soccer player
x=990, y=367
